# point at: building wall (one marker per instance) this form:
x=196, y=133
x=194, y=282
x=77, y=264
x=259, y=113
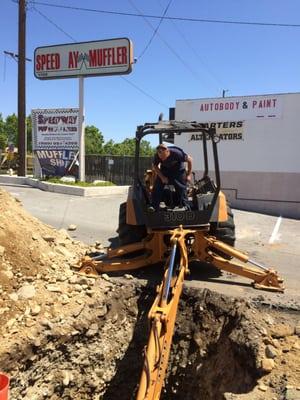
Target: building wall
x=259, y=156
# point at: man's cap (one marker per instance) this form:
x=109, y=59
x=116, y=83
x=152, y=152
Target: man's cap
x=162, y=146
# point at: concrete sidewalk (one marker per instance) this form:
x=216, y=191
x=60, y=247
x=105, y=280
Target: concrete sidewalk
x=61, y=188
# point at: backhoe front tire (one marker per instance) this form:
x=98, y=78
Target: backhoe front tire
x=129, y=233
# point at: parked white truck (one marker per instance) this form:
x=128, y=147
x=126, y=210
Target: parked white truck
x=258, y=150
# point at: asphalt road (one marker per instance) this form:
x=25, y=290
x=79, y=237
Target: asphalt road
x=269, y=240
x=96, y=218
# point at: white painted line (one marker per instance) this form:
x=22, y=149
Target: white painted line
x=275, y=235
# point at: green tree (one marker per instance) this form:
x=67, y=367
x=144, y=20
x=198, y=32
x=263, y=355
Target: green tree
x=108, y=147
x=29, y=133
x=2, y=125
x=11, y=128
x=93, y=140
x=127, y=148
x=3, y=142
x=3, y=137
x=147, y=149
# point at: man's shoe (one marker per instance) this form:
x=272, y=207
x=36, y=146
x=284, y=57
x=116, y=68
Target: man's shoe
x=151, y=209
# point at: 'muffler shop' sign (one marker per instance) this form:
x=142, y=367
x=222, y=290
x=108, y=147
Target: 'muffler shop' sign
x=55, y=139
x=104, y=57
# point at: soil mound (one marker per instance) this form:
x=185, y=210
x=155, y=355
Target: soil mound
x=66, y=336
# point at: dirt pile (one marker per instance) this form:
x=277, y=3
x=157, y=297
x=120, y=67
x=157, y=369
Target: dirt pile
x=65, y=336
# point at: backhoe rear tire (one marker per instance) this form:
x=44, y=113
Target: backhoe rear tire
x=224, y=231
x=129, y=233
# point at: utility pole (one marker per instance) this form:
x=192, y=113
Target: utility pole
x=21, y=90
x=224, y=91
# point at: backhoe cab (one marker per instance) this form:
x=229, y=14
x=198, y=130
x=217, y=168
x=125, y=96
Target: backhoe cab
x=207, y=203
x=175, y=237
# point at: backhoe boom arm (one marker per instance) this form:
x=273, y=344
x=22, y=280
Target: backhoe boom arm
x=162, y=318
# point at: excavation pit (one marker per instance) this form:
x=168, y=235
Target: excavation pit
x=215, y=348
x=97, y=354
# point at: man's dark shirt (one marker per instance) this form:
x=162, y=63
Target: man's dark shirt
x=174, y=163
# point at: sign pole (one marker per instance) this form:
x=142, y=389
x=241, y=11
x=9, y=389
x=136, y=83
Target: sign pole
x=81, y=131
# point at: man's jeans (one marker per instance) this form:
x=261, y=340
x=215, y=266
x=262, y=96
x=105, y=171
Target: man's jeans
x=179, y=183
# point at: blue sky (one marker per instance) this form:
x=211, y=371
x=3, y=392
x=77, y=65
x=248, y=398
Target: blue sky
x=185, y=60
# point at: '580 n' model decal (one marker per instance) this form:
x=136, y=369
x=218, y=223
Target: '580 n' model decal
x=179, y=216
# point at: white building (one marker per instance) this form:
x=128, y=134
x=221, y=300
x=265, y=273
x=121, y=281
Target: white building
x=258, y=151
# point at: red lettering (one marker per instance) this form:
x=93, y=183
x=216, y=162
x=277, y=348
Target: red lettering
x=48, y=61
x=265, y=103
x=57, y=61
x=109, y=55
x=124, y=55
x=43, y=60
x=38, y=65
x=73, y=59
x=113, y=61
x=119, y=55
x=93, y=58
x=105, y=56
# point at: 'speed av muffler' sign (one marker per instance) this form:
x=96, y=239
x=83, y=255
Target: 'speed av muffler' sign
x=104, y=57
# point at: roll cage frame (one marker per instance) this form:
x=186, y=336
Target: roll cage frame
x=167, y=130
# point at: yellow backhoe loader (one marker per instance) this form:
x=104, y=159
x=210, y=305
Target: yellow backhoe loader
x=174, y=237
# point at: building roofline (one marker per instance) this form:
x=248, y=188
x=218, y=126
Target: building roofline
x=232, y=97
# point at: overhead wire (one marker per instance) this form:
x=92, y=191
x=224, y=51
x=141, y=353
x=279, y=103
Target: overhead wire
x=145, y=93
x=155, y=30
x=174, y=52
x=195, y=52
x=185, y=19
x=53, y=23
x=4, y=67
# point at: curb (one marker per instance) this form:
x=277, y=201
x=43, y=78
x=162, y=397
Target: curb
x=64, y=189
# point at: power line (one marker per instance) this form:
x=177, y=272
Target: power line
x=168, y=45
x=196, y=53
x=142, y=91
x=185, y=19
x=155, y=30
x=53, y=23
